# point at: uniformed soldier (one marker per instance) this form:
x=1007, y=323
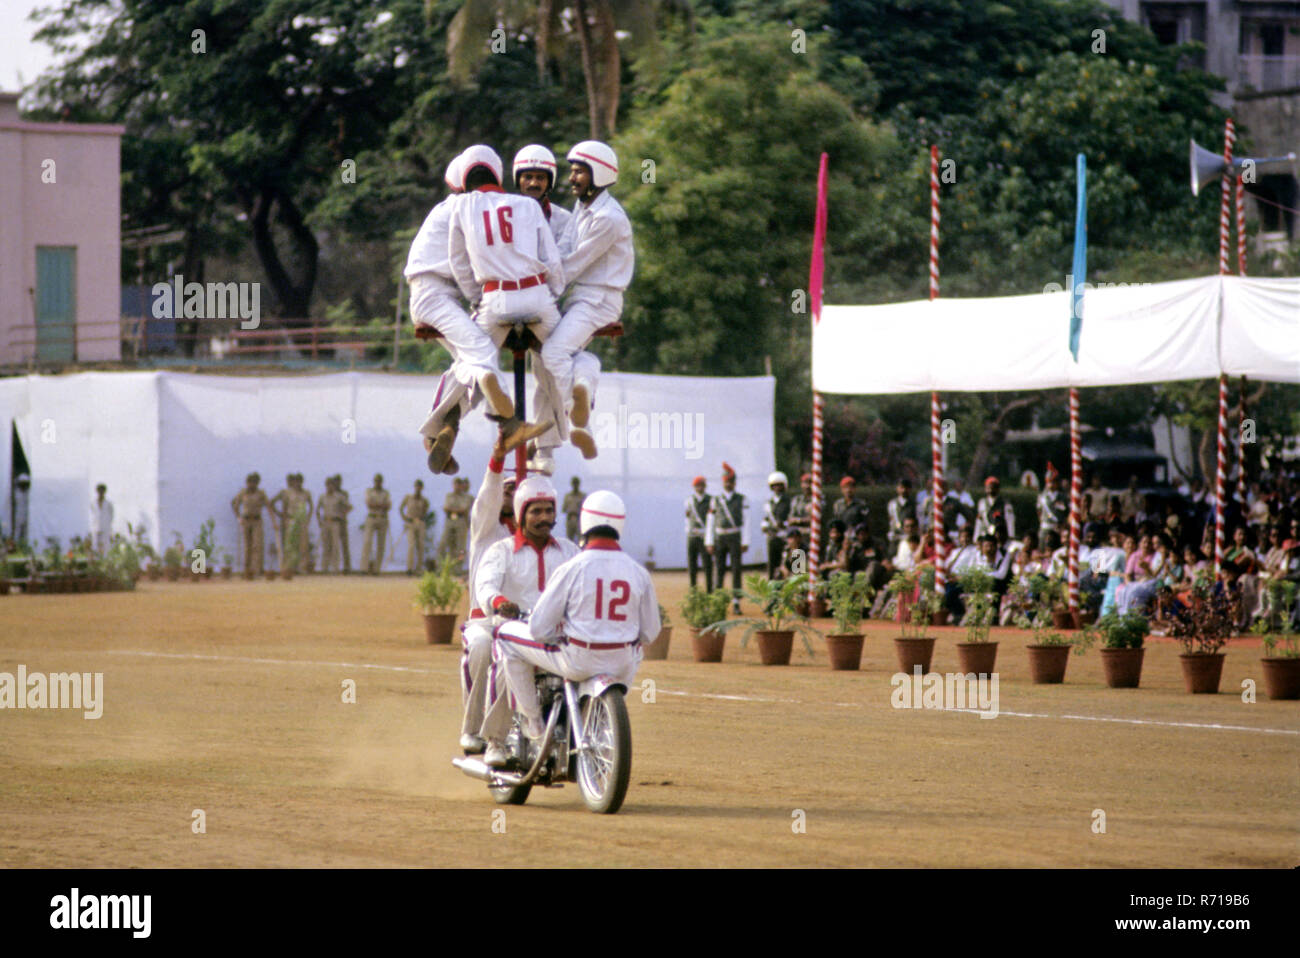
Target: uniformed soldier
x=898, y=509
x=776, y=513
x=801, y=508
x=697, y=518
x=343, y=527
x=1053, y=510
x=378, y=504
x=727, y=533
x=455, y=507
x=414, y=508
x=247, y=506
x=993, y=509
x=573, y=509
x=281, y=506
x=332, y=518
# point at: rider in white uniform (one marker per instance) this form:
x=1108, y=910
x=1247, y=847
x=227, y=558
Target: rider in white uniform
x=592, y=618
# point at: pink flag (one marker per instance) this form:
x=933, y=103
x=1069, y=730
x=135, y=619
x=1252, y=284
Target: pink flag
x=819, y=244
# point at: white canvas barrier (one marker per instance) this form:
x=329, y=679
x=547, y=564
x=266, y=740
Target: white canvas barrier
x=1158, y=332
x=174, y=449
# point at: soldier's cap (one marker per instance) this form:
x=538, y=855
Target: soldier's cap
x=698, y=481
x=379, y=477
x=728, y=472
x=847, y=481
x=992, y=481
x=806, y=477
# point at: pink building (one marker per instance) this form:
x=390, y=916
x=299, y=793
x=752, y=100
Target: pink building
x=60, y=240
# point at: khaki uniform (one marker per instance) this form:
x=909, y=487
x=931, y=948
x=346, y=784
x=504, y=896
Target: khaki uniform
x=375, y=528
x=456, y=507
x=282, y=509
x=332, y=511
x=343, y=531
x=299, y=502
x=249, y=505
x=572, y=512
x=414, y=508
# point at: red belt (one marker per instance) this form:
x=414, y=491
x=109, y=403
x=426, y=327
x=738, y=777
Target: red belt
x=600, y=646
x=509, y=285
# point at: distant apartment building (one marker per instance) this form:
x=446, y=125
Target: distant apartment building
x=60, y=240
x=1255, y=47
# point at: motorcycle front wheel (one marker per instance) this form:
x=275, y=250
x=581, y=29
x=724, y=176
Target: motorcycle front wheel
x=605, y=767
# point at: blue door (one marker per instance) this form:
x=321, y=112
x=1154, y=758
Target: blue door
x=56, y=304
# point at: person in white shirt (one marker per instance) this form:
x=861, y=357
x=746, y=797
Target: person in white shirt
x=598, y=261
x=436, y=311
x=593, y=618
x=101, y=520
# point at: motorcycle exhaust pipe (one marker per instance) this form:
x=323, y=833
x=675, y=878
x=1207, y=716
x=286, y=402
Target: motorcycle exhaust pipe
x=477, y=768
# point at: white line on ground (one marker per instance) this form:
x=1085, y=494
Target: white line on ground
x=702, y=695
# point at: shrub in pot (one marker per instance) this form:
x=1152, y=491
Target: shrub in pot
x=977, y=654
x=1122, y=650
x=1281, y=661
x=779, y=600
x=917, y=604
x=436, y=595
x=847, y=597
x=1203, y=628
x=1049, y=652
x=174, y=558
x=702, y=609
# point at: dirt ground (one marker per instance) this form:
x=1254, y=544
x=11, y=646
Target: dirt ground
x=227, y=697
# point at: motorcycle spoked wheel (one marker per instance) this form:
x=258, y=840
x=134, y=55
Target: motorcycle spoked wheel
x=605, y=768
x=511, y=794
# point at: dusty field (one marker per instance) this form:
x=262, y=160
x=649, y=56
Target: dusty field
x=226, y=697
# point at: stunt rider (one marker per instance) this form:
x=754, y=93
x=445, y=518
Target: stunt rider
x=592, y=618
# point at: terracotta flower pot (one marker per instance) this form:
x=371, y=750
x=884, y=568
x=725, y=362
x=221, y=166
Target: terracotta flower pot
x=1282, y=677
x=286, y=574
x=817, y=608
x=1087, y=617
x=155, y=573
x=844, y=649
x=658, y=649
x=939, y=618
x=270, y=574
x=774, y=648
x=1122, y=667
x=707, y=646
x=977, y=657
x=1062, y=620
x=1202, y=671
x=172, y=575
x=197, y=576
x=914, y=652
x=439, y=627
x=248, y=575
x=227, y=572
x=1047, y=663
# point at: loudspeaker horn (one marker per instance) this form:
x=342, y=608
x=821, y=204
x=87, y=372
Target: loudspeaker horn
x=1207, y=166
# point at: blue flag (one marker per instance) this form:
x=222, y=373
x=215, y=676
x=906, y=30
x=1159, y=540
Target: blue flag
x=1080, y=256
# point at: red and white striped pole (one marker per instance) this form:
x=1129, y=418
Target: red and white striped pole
x=1241, y=227
x=1221, y=460
x=816, y=271
x=1239, y=491
x=936, y=438
x=1076, y=500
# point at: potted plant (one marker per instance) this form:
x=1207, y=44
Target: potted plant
x=1122, y=651
x=1281, y=661
x=847, y=599
x=701, y=610
x=977, y=654
x=775, y=629
x=1203, y=629
x=917, y=603
x=227, y=565
x=658, y=649
x=1049, y=653
x=206, y=547
x=174, y=558
x=818, y=606
x=436, y=594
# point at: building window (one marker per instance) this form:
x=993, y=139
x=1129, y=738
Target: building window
x=1270, y=54
x=56, y=304
x=1175, y=24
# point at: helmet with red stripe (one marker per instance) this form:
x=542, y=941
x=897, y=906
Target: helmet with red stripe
x=602, y=160
x=602, y=509
x=480, y=155
x=533, y=489
x=535, y=157
x=455, y=176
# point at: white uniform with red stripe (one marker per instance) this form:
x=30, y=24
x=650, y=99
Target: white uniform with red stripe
x=485, y=529
x=592, y=618
x=502, y=243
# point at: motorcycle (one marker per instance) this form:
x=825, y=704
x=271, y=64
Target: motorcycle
x=588, y=740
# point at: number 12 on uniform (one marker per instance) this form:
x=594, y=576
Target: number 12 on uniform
x=504, y=215
x=620, y=590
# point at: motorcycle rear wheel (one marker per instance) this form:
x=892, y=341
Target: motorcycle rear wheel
x=605, y=769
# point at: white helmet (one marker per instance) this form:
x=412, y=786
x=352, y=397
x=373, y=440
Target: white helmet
x=532, y=489
x=602, y=509
x=776, y=477
x=602, y=160
x=455, y=176
x=480, y=154
x=535, y=157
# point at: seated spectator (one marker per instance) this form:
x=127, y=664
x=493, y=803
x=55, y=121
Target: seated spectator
x=1240, y=567
x=794, y=559
x=1161, y=571
x=1117, y=566
x=834, y=559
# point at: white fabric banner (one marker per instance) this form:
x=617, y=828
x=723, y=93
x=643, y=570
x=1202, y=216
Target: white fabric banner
x=1158, y=332
x=174, y=449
